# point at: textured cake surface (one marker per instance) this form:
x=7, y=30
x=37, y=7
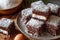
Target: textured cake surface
x=26, y=12
x=34, y=27
x=53, y=25
x=4, y=22
x=54, y=7
x=54, y=20
x=34, y=4
x=35, y=23
x=42, y=8
x=41, y=12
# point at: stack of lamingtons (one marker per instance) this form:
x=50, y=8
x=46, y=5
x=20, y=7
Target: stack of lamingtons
x=41, y=18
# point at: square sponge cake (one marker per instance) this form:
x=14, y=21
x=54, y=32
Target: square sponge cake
x=6, y=25
x=34, y=27
x=41, y=12
x=53, y=25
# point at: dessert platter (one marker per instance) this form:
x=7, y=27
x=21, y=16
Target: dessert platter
x=40, y=21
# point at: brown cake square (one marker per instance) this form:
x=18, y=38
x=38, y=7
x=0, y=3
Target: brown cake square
x=26, y=15
x=34, y=27
x=41, y=12
x=6, y=26
x=53, y=25
x=54, y=8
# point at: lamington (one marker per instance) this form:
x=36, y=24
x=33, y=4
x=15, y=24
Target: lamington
x=53, y=25
x=41, y=12
x=54, y=8
x=26, y=15
x=6, y=26
x=34, y=4
x=35, y=27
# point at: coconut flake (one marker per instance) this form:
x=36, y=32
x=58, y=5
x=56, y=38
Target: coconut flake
x=54, y=7
x=42, y=8
x=34, y=4
x=35, y=23
x=54, y=20
x=26, y=12
x=4, y=22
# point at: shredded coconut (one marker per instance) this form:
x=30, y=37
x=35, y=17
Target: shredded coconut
x=54, y=20
x=4, y=22
x=35, y=23
x=54, y=7
x=6, y=4
x=34, y=4
x=26, y=12
x=42, y=8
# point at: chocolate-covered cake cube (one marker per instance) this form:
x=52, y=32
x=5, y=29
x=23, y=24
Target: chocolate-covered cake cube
x=53, y=25
x=6, y=25
x=41, y=12
x=26, y=14
x=54, y=8
x=34, y=27
x=37, y=3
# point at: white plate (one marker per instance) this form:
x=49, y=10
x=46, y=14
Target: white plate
x=19, y=25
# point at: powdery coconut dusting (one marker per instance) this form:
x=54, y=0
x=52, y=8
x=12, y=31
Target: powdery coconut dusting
x=6, y=4
x=35, y=23
x=4, y=22
x=42, y=8
x=34, y=4
x=26, y=12
x=54, y=20
x=54, y=7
